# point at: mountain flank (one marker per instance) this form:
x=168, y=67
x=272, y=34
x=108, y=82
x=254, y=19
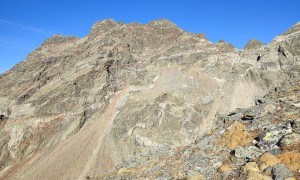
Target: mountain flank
x=138, y=101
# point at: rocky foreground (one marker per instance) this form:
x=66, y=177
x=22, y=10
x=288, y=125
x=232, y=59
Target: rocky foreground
x=151, y=101
x=261, y=142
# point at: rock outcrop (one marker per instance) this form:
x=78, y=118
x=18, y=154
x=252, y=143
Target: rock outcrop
x=253, y=44
x=130, y=94
x=232, y=150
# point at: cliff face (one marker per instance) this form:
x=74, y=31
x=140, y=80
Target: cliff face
x=77, y=107
x=260, y=142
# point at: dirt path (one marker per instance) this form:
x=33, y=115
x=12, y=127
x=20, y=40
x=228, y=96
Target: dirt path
x=76, y=157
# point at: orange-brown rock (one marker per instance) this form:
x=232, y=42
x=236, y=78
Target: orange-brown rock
x=291, y=160
x=236, y=136
x=291, y=178
x=267, y=160
x=196, y=177
x=253, y=172
x=225, y=168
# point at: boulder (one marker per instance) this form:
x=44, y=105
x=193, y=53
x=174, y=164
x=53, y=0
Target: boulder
x=249, y=152
x=296, y=123
x=281, y=172
x=252, y=172
x=267, y=160
x=236, y=136
x=225, y=168
x=291, y=160
x=290, y=139
x=268, y=140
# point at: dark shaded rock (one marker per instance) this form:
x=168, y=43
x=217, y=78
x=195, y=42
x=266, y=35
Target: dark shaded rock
x=260, y=101
x=247, y=117
x=258, y=58
x=274, y=150
x=281, y=51
x=296, y=123
x=2, y=117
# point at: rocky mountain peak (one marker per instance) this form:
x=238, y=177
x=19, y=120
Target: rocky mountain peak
x=224, y=46
x=163, y=24
x=129, y=93
x=202, y=36
x=58, y=39
x=104, y=25
x=294, y=29
x=252, y=44
x=290, y=34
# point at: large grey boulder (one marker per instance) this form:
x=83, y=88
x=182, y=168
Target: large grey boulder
x=270, y=138
x=281, y=172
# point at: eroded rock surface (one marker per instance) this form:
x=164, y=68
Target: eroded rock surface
x=125, y=92
x=212, y=158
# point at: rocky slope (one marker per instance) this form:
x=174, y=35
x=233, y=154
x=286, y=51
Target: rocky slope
x=261, y=142
x=79, y=107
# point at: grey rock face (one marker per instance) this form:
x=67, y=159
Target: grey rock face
x=164, y=149
x=281, y=172
x=290, y=139
x=250, y=152
x=296, y=123
x=208, y=157
x=269, y=139
x=126, y=90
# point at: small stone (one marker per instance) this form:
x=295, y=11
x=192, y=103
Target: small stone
x=250, y=152
x=274, y=150
x=267, y=160
x=268, y=170
x=251, y=167
x=225, y=168
x=281, y=172
x=253, y=172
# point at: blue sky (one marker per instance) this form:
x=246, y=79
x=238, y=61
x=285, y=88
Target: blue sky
x=24, y=25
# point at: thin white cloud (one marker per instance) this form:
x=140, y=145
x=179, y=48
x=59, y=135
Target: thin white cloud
x=15, y=43
x=29, y=28
x=14, y=47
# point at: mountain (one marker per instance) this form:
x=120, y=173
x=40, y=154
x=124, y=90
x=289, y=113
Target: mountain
x=260, y=142
x=130, y=94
